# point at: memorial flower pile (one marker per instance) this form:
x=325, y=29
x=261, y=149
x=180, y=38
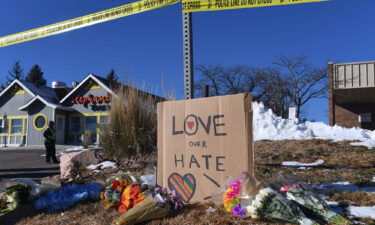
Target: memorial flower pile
x=13, y=196
x=303, y=194
x=294, y=202
x=122, y=194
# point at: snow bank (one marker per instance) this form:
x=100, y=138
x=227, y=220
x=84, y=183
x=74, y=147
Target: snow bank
x=268, y=126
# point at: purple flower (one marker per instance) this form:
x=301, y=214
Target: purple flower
x=238, y=211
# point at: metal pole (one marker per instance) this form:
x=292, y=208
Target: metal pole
x=188, y=55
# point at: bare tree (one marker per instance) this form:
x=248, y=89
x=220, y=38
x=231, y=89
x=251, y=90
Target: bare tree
x=210, y=75
x=303, y=81
x=271, y=90
x=293, y=82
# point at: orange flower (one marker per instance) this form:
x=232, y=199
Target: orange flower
x=122, y=182
x=135, y=189
x=120, y=188
x=137, y=201
x=123, y=199
x=102, y=195
x=122, y=208
x=141, y=196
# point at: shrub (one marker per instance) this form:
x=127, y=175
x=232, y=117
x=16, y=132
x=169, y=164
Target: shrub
x=132, y=126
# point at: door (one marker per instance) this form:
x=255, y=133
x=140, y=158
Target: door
x=60, y=130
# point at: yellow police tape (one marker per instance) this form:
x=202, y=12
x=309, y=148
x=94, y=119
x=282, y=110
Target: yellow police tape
x=212, y=5
x=84, y=21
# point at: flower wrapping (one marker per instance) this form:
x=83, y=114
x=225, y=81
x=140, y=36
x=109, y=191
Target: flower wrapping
x=303, y=194
x=156, y=205
x=55, y=201
x=270, y=205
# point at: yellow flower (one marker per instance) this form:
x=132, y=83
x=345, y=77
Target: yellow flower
x=141, y=196
x=127, y=192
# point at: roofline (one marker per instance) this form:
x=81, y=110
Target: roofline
x=40, y=99
x=19, y=83
x=82, y=82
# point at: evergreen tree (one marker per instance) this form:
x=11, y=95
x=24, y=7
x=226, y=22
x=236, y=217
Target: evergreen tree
x=15, y=73
x=35, y=76
x=112, y=78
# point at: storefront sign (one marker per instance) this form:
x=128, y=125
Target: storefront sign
x=91, y=99
x=203, y=141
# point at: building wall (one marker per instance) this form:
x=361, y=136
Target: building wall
x=83, y=111
x=347, y=115
x=34, y=136
x=9, y=103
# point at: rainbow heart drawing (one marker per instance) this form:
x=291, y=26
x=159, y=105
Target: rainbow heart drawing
x=184, y=186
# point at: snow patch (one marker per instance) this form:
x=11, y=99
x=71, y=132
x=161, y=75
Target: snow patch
x=344, y=186
x=362, y=211
x=105, y=164
x=302, y=165
x=76, y=148
x=268, y=126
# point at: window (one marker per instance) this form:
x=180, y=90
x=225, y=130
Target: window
x=104, y=121
x=60, y=124
x=90, y=123
x=3, y=127
x=75, y=124
x=16, y=126
x=40, y=122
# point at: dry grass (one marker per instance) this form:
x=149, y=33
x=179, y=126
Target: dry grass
x=343, y=162
x=133, y=125
x=269, y=155
x=354, y=198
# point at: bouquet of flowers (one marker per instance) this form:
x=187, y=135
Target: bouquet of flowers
x=303, y=194
x=122, y=193
x=158, y=204
x=244, y=197
x=13, y=196
x=55, y=201
x=268, y=204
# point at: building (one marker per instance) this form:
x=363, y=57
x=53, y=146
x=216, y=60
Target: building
x=352, y=94
x=25, y=110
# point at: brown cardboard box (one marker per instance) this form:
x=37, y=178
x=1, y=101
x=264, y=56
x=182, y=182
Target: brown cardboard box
x=203, y=141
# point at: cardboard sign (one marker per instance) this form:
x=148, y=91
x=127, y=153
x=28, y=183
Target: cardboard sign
x=203, y=141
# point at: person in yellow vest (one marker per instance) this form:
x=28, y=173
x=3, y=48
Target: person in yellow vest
x=49, y=141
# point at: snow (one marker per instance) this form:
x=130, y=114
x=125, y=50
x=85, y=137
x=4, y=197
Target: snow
x=268, y=126
x=298, y=164
x=76, y=148
x=105, y=164
x=362, y=211
x=344, y=186
x=373, y=179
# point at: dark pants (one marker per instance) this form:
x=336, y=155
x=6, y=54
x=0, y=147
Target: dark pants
x=50, y=151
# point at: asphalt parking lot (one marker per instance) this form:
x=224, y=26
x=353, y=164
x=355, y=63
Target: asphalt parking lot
x=26, y=163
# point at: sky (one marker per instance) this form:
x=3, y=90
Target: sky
x=147, y=47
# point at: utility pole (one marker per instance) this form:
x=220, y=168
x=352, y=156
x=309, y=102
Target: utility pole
x=188, y=55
